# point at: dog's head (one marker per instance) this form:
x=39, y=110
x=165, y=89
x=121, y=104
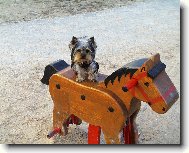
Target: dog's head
x=83, y=49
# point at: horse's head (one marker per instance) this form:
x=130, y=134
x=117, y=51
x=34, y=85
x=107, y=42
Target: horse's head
x=151, y=84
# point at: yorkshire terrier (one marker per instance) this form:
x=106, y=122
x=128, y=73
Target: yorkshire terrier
x=83, y=50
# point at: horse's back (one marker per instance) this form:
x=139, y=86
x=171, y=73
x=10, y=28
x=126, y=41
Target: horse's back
x=70, y=74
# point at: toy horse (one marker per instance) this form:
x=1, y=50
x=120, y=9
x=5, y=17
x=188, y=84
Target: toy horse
x=112, y=100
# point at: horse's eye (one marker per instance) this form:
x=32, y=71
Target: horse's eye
x=146, y=84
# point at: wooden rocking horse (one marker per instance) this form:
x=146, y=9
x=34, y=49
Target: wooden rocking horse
x=113, y=102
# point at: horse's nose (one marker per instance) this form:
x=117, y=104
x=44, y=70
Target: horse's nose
x=171, y=95
x=166, y=89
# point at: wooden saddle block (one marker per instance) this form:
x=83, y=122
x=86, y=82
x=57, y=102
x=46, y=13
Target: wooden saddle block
x=69, y=74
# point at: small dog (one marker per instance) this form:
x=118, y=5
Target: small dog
x=83, y=50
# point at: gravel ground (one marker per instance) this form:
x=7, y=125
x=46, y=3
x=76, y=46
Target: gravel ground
x=123, y=34
x=25, y=10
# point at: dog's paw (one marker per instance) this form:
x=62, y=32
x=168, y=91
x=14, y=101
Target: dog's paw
x=92, y=77
x=93, y=80
x=80, y=79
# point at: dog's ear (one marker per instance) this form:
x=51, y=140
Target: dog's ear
x=73, y=42
x=92, y=40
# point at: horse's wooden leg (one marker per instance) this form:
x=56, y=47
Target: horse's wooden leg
x=60, y=121
x=94, y=134
x=134, y=130
x=127, y=132
x=113, y=140
x=107, y=139
x=116, y=140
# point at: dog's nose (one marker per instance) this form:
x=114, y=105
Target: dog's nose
x=82, y=55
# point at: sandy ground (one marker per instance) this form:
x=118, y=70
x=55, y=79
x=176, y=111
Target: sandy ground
x=137, y=30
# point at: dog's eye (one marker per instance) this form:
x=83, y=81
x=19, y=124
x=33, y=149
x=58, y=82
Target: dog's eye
x=79, y=50
x=87, y=50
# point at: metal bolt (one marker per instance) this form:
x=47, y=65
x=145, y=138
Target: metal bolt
x=83, y=97
x=110, y=109
x=58, y=86
x=146, y=84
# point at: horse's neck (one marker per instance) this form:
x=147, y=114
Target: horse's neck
x=116, y=87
